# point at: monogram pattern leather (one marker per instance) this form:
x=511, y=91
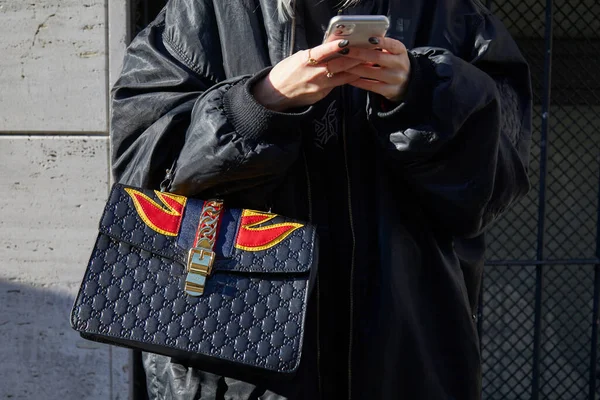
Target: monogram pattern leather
x=133, y=291
x=121, y=221
x=296, y=256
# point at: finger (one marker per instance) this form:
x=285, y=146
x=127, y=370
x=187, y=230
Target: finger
x=393, y=46
x=326, y=50
x=341, y=78
x=334, y=67
x=386, y=75
x=371, y=86
x=386, y=90
x=342, y=64
x=371, y=56
x=325, y=76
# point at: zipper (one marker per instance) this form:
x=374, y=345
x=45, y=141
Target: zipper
x=350, y=339
x=351, y=292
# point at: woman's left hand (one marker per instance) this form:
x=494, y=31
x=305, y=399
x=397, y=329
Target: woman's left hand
x=387, y=71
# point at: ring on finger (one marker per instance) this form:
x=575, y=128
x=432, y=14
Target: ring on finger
x=328, y=73
x=311, y=61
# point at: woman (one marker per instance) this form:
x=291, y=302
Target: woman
x=401, y=172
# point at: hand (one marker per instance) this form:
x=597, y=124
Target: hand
x=387, y=71
x=294, y=82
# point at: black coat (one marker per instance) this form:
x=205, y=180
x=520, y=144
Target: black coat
x=420, y=181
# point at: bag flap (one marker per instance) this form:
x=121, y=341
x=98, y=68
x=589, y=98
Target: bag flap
x=248, y=241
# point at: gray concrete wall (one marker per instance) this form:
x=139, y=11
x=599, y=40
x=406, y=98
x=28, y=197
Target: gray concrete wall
x=55, y=72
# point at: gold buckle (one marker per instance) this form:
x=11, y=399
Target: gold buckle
x=201, y=257
x=199, y=267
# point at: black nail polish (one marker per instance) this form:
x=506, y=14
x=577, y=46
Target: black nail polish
x=374, y=40
x=344, y=51
x=343, y=43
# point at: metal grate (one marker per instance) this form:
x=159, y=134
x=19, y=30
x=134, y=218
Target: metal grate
x=542, y=283
x=567, y=331
x=538, y=336
x=507, y=345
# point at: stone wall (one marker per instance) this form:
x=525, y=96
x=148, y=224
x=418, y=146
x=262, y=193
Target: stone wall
x=59, y=58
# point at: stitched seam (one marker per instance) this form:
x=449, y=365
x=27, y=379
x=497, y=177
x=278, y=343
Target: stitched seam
x=312, y=249
x=117, y=186
x=74, y=310
x=178, y=52
x=301, y=340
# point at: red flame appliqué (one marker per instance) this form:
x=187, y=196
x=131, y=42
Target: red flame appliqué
x=252, y=237
x=165, y=220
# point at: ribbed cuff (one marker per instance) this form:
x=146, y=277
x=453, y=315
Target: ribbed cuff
x=251, y=119
x=417, y=101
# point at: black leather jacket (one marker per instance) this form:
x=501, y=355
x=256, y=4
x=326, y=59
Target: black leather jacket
x=421, y=182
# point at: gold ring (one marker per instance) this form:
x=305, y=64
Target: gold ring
x=311, y=61
x=328, y=74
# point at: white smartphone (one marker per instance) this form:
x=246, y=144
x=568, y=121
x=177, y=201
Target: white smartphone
x=357, y=29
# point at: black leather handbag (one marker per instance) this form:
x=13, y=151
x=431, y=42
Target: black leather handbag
x=216, y=288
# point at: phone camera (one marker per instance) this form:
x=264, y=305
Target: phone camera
x=339, y=26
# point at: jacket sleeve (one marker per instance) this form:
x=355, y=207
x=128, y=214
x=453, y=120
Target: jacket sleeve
x=169, y=110
x=461, y=136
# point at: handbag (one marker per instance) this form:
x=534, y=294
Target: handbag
x=221, y=289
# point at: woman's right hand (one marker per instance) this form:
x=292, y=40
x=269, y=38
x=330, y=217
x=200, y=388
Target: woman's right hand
x=294, y=82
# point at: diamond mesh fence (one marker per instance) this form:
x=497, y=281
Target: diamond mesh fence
x=508, y=326
x=567, y=331
x=539, y=297
x=565, y=186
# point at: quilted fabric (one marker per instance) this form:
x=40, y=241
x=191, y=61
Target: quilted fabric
x=296, y=255
x=132, y=292
x=121, y=221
